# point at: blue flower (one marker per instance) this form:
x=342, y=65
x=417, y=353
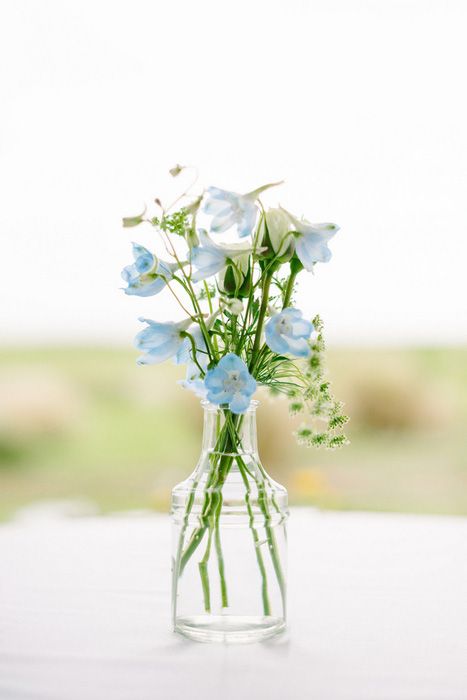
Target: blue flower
x=193, y=381
x=311, y=241
x=287, y=333
x=160, y=340
x=148, y=275
x=233, y=209
x=210, y=258
x=184, y=353
x=230, y=383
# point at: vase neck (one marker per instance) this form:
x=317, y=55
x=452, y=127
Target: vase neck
x=227, y=433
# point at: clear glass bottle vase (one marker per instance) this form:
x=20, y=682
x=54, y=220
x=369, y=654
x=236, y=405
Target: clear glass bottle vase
x=229, y=528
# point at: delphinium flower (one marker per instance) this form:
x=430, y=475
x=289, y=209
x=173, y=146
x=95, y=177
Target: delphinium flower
x=193, y=380
x=159, y=341
x=230, y=383
x=147, y=275
x=194, y=342
x=287, y=333
x=209, y=258
x=232, y=209
x=311, y=241
x=287, y=235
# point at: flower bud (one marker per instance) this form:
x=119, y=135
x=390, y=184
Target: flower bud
x=276, y=235
x=235, y=279
x=130, y=221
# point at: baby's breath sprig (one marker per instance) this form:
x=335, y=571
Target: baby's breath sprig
x=326, y=413
x=176, y=223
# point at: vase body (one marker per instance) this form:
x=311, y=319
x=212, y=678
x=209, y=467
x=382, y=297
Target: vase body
x=229, y=538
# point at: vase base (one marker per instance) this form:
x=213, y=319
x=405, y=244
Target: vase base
x=230, y=629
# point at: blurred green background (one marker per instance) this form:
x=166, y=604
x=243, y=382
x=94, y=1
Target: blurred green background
x=88, y=425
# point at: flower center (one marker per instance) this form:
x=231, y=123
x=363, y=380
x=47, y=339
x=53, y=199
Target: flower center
x=284, y=327
x=233, y=383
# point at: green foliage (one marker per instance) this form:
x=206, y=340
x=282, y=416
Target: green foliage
x=207, y=292
x=176, y=223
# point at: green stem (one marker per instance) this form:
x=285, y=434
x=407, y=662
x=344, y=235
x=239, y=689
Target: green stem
x=289, y=289
x=220, y=563
x=262, y=314
x=256, y=541
x=203, y=570
x=185, y=334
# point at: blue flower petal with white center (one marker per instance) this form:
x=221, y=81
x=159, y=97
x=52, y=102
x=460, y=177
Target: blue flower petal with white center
x=239, y=403
x=209, y=258
x=159, y=341
x=148, y=275
x=230, y=383
x=231, y=209
x=311, y=241
x=287, y=333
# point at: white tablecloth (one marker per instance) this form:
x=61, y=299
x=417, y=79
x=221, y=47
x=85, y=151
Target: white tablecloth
x=378, y=610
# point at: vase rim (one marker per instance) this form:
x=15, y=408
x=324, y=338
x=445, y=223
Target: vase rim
x=207, y=405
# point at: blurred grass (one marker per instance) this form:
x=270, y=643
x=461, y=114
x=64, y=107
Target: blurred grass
x=84, y=423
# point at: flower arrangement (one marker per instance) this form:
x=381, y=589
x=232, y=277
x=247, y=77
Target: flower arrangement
x=240, y=328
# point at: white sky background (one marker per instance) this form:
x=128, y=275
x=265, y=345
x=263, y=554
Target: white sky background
x=360, y=106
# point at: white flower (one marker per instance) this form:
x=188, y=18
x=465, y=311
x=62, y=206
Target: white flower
x=235, y=306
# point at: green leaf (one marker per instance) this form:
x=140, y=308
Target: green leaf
x=130, y=221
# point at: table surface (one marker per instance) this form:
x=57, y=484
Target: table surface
x=378, y=610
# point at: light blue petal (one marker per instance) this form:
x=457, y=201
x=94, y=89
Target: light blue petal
x=164, y=269
x=239, y=403
x=212, y=207
x=206, y=272
x=219, y=397
x=290, y=313
x=274, y=340
x=144, y=263
x=217, y=193
x=146, y=290
x=246, y=226
x=250, y=385
x=159, y=354
x=130, y=273
x=223, y=222
x=138, y=250
x=155, y=335
x=298, y=347
x=231, y=361
x=311, y=248
x=302, y=328
x=215, y=378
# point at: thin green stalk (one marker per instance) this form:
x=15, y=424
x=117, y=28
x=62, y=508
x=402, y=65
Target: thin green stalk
x=220, y=562
x=272, y=544
x=203, y=570
x=212, y=497
x=256, y=541
x=185, y=334
x=262, y=314
x=289, y=289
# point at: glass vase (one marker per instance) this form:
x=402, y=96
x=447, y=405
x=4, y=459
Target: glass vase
x=229, y=528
